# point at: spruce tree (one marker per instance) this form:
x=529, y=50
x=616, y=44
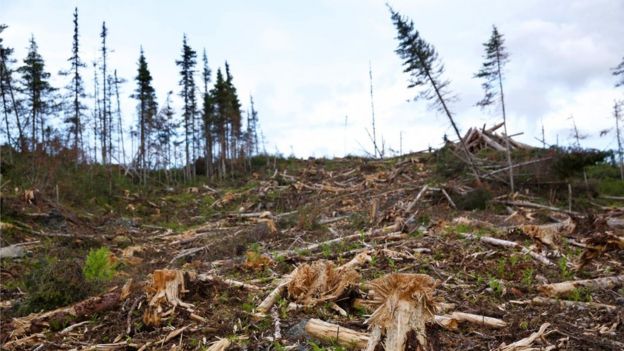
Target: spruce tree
x=74, y=111
x=147, y=108
x=38, y=93
x=187, y=82
x=491, y=72
x=422, y=63
x=9, y=102
x=618, y=72
x=104, y=112
x=252, y=129
x=166, y=130
x=221, y=101
x=234, y=113
x=207, y=116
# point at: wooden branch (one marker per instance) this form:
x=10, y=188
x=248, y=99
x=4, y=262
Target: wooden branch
x=534, y=205
x=333, y=333
x=418, y=196
x=524, y=344
x=268, y=302
x=562, y=288
x=506, y=243
x=448, y=197
x=538, y=300
x=228, y=282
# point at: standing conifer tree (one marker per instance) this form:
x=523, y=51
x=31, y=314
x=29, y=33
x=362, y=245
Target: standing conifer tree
x=221, y=101
x=75, y=109
x=234, y=113
x=207, y=116
x=147, y=108
x=252, y=126
x=421, y=61
x=9, y=103
x=491, y=72
x=187, y=82
x=103, y=112
x=38, y=91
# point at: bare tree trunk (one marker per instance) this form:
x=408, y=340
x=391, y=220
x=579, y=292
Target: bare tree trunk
x=374, y=136
x=450, y=117
x=20, y=131
x=502, y=97
x=617, y=116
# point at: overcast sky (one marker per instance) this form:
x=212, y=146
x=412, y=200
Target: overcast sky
x=306, y=62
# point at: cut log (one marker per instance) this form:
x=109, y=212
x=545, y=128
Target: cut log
x=333, y=333
x=563, y=288
x=478, y=319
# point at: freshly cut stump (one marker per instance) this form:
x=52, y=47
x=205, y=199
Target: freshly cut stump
x=166, y=287
x=320, y=281
x=406, y=304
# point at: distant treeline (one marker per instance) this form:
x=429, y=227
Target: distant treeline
x=211, y=135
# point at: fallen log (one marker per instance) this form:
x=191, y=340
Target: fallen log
x=478, y=320
x=506, y=243
x=34, y=322
x=333, y=333
x=557, y=289
x=538, y=300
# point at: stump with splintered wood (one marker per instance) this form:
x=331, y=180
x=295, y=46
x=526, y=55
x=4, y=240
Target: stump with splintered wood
x=320, y=281
x=165, y=288
x=405, y=304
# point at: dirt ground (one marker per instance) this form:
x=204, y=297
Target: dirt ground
x=260, y=232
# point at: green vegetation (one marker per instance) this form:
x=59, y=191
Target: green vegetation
x=527, y=277
x=496, y=286
x=52, y=283
x=562, y=263
x=98, y=266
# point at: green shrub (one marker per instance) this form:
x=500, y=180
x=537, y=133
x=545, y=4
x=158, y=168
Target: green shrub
x=51, y=283
x=474, y=200
x=447, y=165
x=570, y=162
x=98, y=267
